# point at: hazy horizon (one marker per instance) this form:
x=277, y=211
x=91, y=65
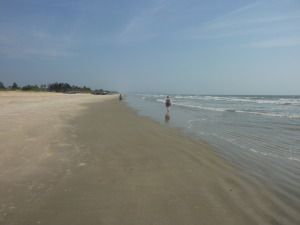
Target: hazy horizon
x=204, y=47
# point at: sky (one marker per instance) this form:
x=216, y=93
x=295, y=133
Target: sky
x=242, y=47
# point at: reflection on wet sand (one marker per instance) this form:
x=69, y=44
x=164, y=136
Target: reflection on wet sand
x=167, y=117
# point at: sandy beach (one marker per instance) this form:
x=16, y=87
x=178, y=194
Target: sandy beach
x=87, y=159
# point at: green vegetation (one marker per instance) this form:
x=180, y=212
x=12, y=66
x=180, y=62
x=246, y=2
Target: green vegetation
x=2, y=86
x=15, y=86
x=55, y=87
x=30, y=88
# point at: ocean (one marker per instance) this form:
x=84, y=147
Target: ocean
x=259, y=133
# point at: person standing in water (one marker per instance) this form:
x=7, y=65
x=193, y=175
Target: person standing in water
x=120, y=98
x=168, y=103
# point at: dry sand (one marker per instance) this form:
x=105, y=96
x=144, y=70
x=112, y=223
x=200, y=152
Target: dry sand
x=85, y=159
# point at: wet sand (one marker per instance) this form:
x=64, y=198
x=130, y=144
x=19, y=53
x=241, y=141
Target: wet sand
x=85, y=159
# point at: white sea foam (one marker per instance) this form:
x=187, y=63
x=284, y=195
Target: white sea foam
x=245, y=99
x=291, y=116
x=251, y=105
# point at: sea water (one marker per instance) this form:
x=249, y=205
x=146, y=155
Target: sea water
x=260, y=133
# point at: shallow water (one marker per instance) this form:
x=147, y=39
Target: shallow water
x=260, y=133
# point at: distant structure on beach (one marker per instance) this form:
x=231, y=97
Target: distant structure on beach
x=99, y=93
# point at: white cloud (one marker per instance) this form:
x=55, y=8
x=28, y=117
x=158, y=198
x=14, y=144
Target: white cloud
x=47, y=52
x=5, y=40
x=240, y=10
x=21, y=52
x=283, y=42
x=257, y=20
x=138, y=27
x=19, y=42
x=241, y=22
x=34, y=46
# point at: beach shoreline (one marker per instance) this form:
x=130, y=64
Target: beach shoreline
x=74, y=159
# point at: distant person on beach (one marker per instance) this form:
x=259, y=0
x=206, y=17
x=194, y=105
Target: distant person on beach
x=120, y=98
x=168, y=103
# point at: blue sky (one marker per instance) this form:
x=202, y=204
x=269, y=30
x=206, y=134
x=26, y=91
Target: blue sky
x=169, y=46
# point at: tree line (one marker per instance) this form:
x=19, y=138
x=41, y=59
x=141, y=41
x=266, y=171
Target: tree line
x=53, y=87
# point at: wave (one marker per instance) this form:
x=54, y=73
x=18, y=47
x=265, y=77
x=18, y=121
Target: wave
x=293, y=158
x=245, y=99
x=291, y=116
x=257, y=100
x=149, y=95
x=230, y=110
